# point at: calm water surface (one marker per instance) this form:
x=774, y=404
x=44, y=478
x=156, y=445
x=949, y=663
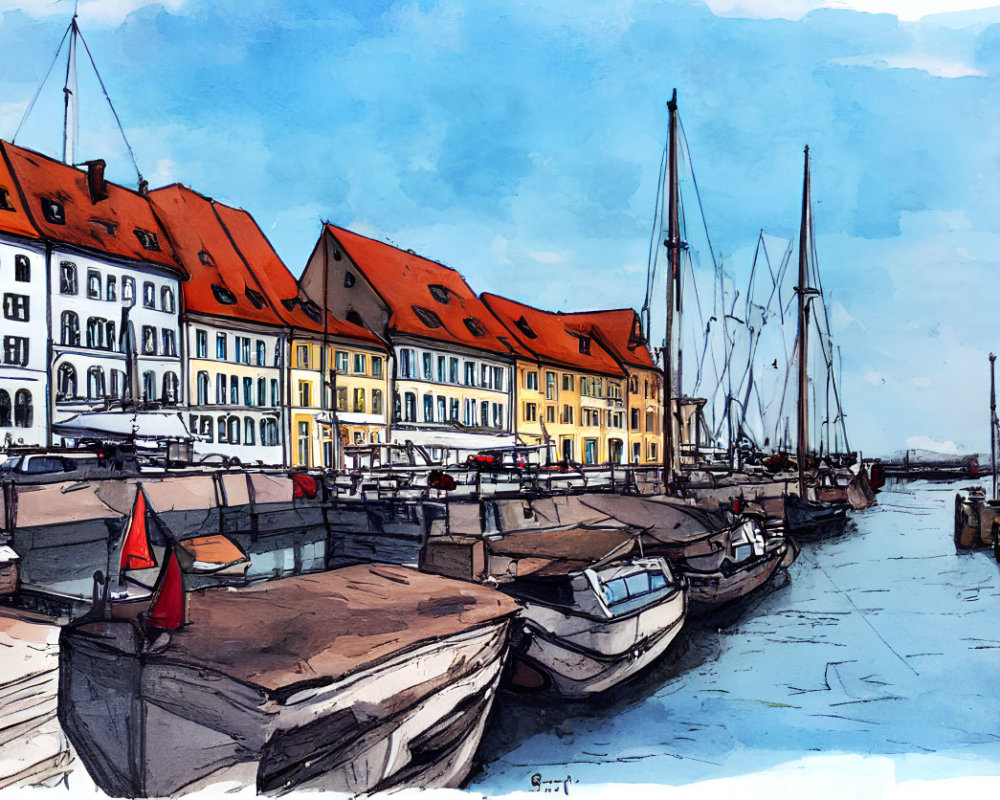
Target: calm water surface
x=883, y=641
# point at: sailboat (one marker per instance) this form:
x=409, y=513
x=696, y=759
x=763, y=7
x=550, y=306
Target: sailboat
x=146, y=547
x=804, y=517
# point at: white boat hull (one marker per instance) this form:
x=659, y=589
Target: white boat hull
x=582, y=656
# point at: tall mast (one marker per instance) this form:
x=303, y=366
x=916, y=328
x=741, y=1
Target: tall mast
x=71, y=110
x=993, y=423
x=803, y=292
x=673, y=296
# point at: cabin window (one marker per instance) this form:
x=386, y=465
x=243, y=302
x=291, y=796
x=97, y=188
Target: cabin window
x=67, y=278
x=426, y=316
x=147, y=239
x=53, y=211
x=15, y=350
x=475, y=326
x=22, y=268
x=15, y=306
x=24, y=414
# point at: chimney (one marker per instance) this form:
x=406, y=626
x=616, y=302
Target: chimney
x=96, y=184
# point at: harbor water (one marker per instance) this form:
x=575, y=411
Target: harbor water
x=882, y=647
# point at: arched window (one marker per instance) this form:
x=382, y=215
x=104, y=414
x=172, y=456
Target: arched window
x=96, y=331
x=66, y=382
x=411, y=407
x=70, y=328
x=261, y=391
x=272, y=433
x=149, y=386
x=167, y=299
x=95, y=383
x=117, y=383
x=234, y=430
x=4, y=409
x=222, y=430
x=203, y=388
x=248, y=431
x=24, y=414
x=170, y=388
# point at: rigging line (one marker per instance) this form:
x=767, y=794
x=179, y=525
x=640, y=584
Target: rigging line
x=111, y=105
x=38, y=91
x=654, y=242
x=697, y=193
x=753, y=272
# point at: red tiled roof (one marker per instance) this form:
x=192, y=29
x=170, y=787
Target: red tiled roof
x=277, y=281
x=107, y=226
x=217, y=271
x=17, y=221
x=403, y=280
x=621, y=332
x=556, y=336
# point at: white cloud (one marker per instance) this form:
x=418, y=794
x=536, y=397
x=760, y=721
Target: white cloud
x=938, y=67
x=98, y=13
x=922, y=442
x=546, y=256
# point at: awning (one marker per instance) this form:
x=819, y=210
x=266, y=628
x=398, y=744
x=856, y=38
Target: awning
x=458, y=440
x=124, y=425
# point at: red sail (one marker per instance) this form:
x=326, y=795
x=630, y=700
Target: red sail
x=135, y=550
x=167, y=611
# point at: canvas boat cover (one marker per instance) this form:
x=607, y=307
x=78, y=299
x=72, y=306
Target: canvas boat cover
x=155, y=425
x=669, y=523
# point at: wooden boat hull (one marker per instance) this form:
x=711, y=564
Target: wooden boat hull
x=806, y=519
x=707, y=591
x=581, y=656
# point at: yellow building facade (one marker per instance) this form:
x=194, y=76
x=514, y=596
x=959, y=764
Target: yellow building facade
x=338, y=397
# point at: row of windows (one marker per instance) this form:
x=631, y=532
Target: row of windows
x=590, y=450
x=245, y=350
x=23, y=409
x=166, y=390
x=106, y=288
x=235, y=390
x=589, y=386
x=442, y=409
x=342, y=361
x=101, y=336
x=442, y=369
x=235, y=430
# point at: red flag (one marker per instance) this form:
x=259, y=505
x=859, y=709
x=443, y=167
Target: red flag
x=135, y=548
x=167, y=610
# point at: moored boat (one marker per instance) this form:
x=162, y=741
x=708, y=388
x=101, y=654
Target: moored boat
x=356, y=680
x=808, y=519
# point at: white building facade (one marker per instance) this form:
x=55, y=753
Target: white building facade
x=24, y=338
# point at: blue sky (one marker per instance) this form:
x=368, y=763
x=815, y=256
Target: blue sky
x=519, y=142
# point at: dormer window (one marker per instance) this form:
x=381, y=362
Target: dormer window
x=290, y=303
x=475, y=326
x=349, y=279
x=223, y=295
x=584, y=343
x=312, y=310
x=206, y=258
x=109, y=227
x=53, y=211
x=525, y=328
x=440, y=293
x=147, y=239
x=256, y=298
x=426, y=316
x=5, y=204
